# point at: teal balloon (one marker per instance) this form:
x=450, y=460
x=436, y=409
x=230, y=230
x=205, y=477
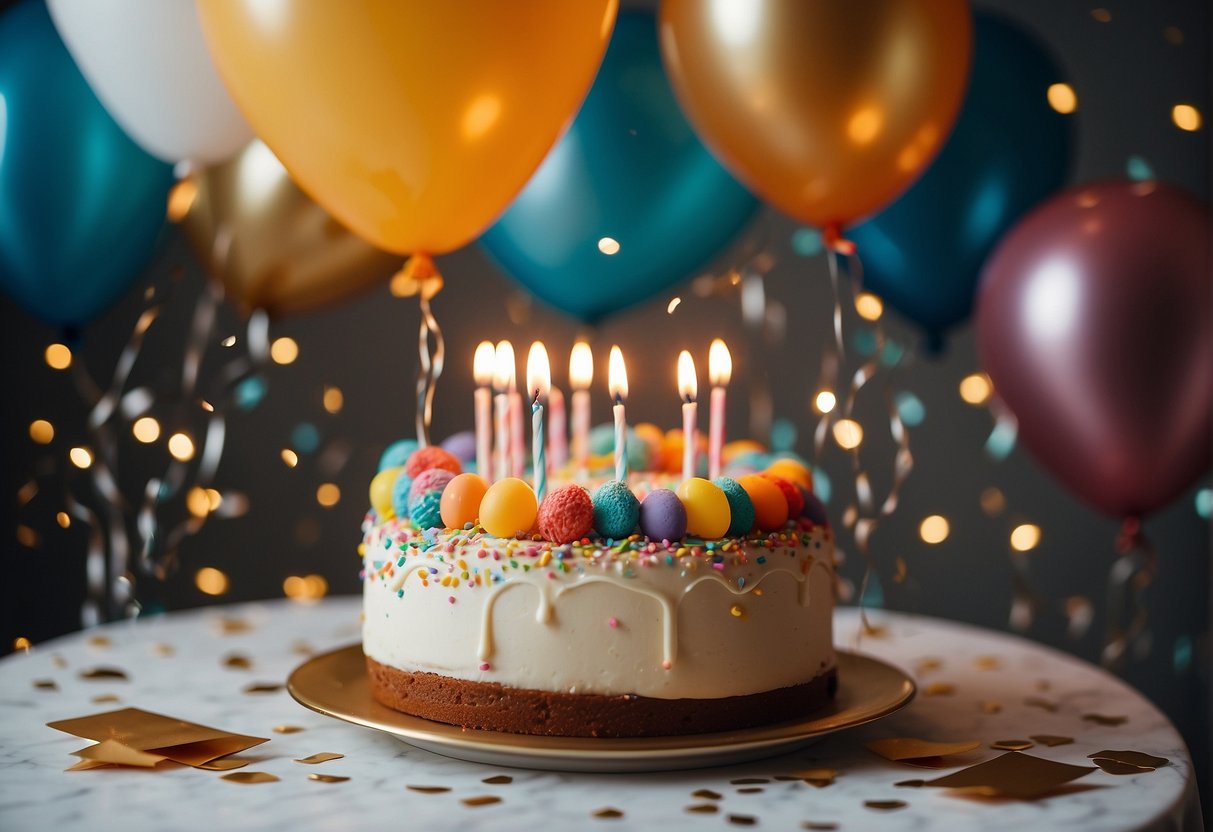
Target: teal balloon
x=630, y=170
x=1009, y=151
x=81, y=205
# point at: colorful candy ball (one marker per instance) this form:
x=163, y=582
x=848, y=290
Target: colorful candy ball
x=791, y=493
x=770, y=506
x=426, y=510
x=708, y=514
x=462, y=445
x=741, y=507
x=508, y=507
x=381, y=492
x=432, y=479
x=566, y=514
x=792, y=470
x=815, y=509
x=616, y=510
x=397, y=453
x=663, y=516
x=400, y=493
x=461, y=499
x=431, y=457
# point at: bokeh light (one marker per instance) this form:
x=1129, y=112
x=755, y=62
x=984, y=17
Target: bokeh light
x=825, y=401
x=197, y=502
x=910, y=409
x=63, y=519
x=334, y=399
x=211, y=581
x=1025, y=537
x=290, y=457
x=1186, y=117
x=848, y=434
x=81, y=457
x=934, y=529
x=1062, y=98
x=993, y=501
x=608, y=245
x=284, y=350
x=41, y=431
x=146, y=429
x=868, y=306
x=58, y=357
x=672, y=305
x=1204, y=502
x=328, y=494
x=305, y=588
x=22, y=643
x=181, y=447
x=976, y=388
x=1101, y=15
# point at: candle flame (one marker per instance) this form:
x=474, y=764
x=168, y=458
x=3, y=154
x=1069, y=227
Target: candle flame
x=581, y=366
x=720, y=364
x=688, y=383
x=483, y=363
x=617, y=376
x=538, y=372
x=503, y=367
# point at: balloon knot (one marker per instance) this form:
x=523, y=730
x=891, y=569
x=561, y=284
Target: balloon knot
x=418, y=277
x=1130, y=535
x=831, y=237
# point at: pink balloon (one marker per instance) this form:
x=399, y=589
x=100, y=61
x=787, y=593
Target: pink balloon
x=1095, y=323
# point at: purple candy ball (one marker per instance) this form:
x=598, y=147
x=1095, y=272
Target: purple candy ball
x=663, y=516
x=461, y=445
x=814, y=509
x=431, y=479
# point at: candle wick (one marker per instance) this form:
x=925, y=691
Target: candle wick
x=618, y=398
x=535, y=401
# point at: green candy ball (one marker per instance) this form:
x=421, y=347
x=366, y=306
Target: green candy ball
x=426, y=510
x=740, y=506
x=616, y=510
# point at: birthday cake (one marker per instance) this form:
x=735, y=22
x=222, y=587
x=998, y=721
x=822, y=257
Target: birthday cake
x=606, y=609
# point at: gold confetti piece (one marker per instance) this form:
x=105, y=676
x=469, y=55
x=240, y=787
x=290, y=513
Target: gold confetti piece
x=113, y=752
x=910, y=784
x=926, y=665
x=1012, y=745
x=703, y=808
x=987, y=663
x=1134, y=758
x=429, y=789
x=885, y=805
x=481, y=800
x=751, y=790
x=1103, y=719
x=607, y=813
x=104, y=673
x=991, y=707
x=939, y=689
x=237, y=661
x=498, y=780
x=224, y=764
x=327, y=778
x=820, y=777
x=749, y=781
x=180, y=741
x=58, y=661
x=1014, y=775
x=104, y=698
x=249, y=778
x=707, y=794
x=45, y=684
x=819, y=826
x=288, y=729
x=231, y=626
x=263, y=687
x=322, y=757
x=743, y=820
x=904, y=749
x=302, y=648
x=1117, y=767
x=1051, y=740
x=164, y=650
x=1043, y=704
x=98, y=641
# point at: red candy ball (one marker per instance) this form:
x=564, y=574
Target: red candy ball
x=432, y=457
x=790, y=493
x=566, y=514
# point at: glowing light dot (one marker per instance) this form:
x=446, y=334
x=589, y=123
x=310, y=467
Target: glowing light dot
x=975, y=389
x=58, y=357
x=63, y=519
x=934, y=529
x=608, y=245
x=214, y=498
x=22, y=643
x=197, y=502
x=41, y=431
x=848, y=434
x=993, y=501
x=146, y=429
x=207, y=406
x=1186, y=117
x=1062, y=98
x=81, y=457
x=1101, y=15
x=1204, y=502
x=229, y=341
x=334, y=399
x=211, y=581
x=284, y=350
x=868, y=306
x=1025, y=537
x=305, y=587
x=328, y=495
x=672, y=305
x=825, y=401
x=181, y=199
x=290, y=457
x=26, y=536
x=181, y=447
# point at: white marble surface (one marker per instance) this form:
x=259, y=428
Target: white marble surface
x=194, y=684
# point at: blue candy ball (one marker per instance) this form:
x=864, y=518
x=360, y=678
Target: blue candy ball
x=426, y=510
x=616, y=510
x=400, y=494
x=663, y=516
x=741, y=507
x=397, y=453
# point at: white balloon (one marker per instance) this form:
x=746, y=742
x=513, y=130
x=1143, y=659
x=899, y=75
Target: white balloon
x=147, y=62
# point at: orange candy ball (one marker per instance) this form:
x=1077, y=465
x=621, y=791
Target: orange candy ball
x=509, y=507
x=431, y=457
x=770, y=507
x=792, y=471
x=461, y=500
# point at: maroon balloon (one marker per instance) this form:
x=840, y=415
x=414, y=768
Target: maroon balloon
x=1095, y=323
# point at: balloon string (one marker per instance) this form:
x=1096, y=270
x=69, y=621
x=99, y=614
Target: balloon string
x=1128, y=580
x=421, y=276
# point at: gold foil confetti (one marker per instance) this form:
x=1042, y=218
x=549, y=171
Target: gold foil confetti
x=164, y=650
x=607, y=813
x=1052, y=740
x=987, y=663
x=1014, y=775
x=919, y=752
x=819, y=826
x=989, y=707
x=939, y=689
x=820, y=777
x=104, y=673
x=231, y=626
x=98, y=641
x=707, y=794
x=58, y=661
x=429, y=789
x=116, y=753
x=498, y=780
x=910, y=784
x=224, y=764
x=885, y=805
x=927, y=664
x=1117, y=767
x=751, y=790
x=481, y=800
x=303, y=648
x=1127, y=762
x=749, y=781
x=1105, y=720
x=743, y=820
x=237, y=661
x=104, y=698
x=1043, y=704
x=45, y=684
x=1012, y=745
x=249, y=778
x=703, y=809
x=288, y=729
x=322, y=757
x=326, y=778
x=263, y=687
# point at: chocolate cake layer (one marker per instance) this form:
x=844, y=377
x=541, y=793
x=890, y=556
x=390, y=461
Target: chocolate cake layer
x=493, y=707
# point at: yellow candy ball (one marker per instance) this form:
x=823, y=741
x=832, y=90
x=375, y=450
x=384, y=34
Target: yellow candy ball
x=770, y=506
x=381, y=492
x=509, y=506
x=793, y=472
x=461, y=500
x=707, y=508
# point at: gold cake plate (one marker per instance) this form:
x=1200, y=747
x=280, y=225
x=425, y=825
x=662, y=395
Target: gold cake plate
x=335, y=684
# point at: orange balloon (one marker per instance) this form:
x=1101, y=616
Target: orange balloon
x=828, y=110
x=413, y=123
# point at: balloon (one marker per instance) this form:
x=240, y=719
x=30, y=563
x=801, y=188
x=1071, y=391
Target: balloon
x=629, y=170
x=81, y=205
x=270, y=245
x=1010, y=150
x=827, y=110
x=416, y=123
x=148, y=63
x=1093, y=321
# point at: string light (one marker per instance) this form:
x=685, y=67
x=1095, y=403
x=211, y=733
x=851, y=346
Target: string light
x=608, y=246
x=976, y=388
x=211, y=581
x=1062, y=98
x=181, y=447
x=868, y=306
x=58, y=357
x=41, y=431
x=1186, y=117
x=672, y=305
x=290, y=457
x=1025, y=537
x=284, y=350
x=334, y=399
x=848, y=434
x=197, y=502
x=146, y=429
x=81, y=457
x=934, y=529
x=825, y=401
x=305, y=587
x=229, y=341
x=328, y=494
x=63, y=519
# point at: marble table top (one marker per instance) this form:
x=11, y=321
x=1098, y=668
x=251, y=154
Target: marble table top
x=973, y=684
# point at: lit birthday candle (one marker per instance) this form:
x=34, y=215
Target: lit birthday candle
x=581, y=375
x=688, y=388
x=617, y=383
x=720, y=370
x=503, y=380
x=482, y=371
x=538, y=382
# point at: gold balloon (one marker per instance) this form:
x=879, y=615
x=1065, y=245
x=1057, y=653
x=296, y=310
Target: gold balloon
x=415, y=122
x=828, y=110
x=271, y=246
